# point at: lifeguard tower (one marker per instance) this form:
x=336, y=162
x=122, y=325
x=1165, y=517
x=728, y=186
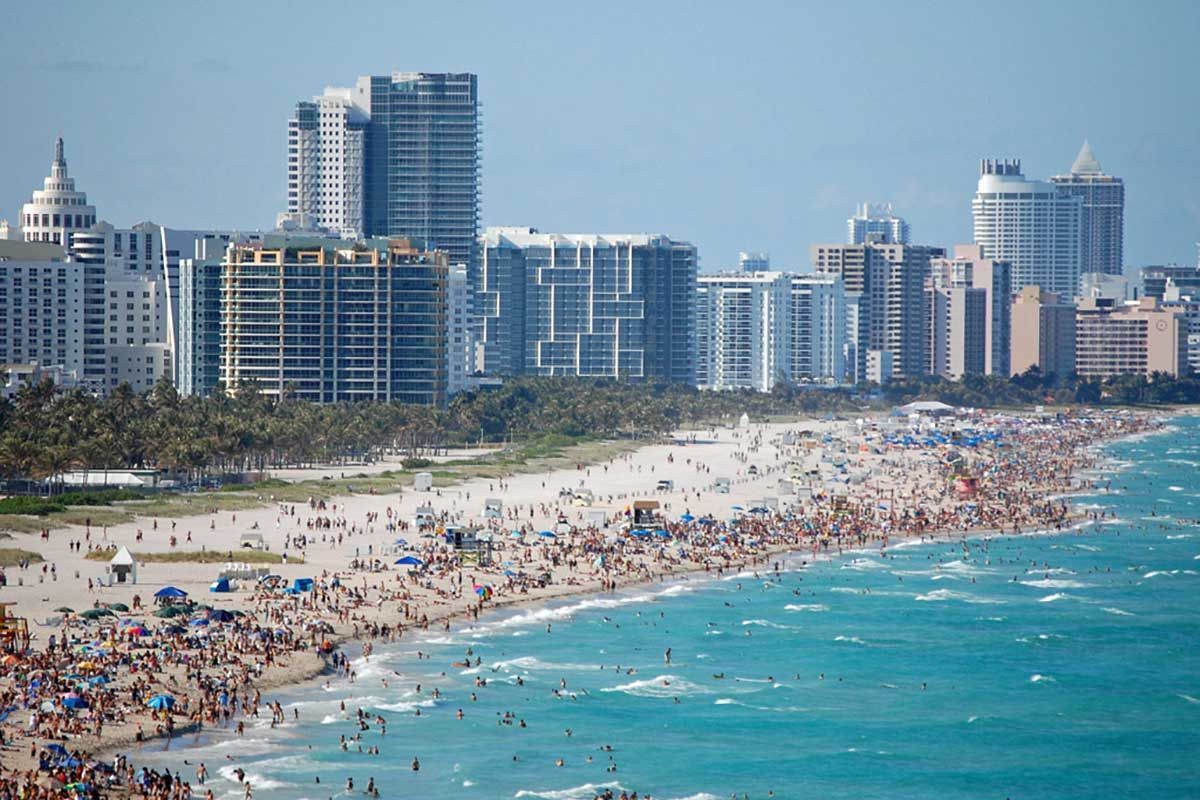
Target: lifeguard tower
x=14, y=632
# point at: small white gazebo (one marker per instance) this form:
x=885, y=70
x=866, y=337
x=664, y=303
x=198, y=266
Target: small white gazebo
x=122, y=568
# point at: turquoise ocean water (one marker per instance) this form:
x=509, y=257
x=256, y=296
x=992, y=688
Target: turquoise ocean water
x=930, y=673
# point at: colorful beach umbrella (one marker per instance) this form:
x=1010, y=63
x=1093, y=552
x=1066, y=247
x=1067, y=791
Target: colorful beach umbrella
x=161, y=701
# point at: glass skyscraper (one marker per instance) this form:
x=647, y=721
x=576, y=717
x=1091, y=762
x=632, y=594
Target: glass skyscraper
x=393, y=156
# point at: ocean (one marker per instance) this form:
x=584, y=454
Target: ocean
x=1042, y=666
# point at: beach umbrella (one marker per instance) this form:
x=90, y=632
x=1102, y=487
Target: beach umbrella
x=74, y=702
x=139, y=630
x=65, y=610
x=547, y=534
x=124, y=609
x=161, y=701
x=220, y=615
x=96, y=680
x=401, y=543
x=198, y=623
x=57, y=749
x=516, y=534
x=170, y=591
x=97, y=613
x=173, y=629
x=167, y=612
x=687, y=518
x=510, y=573
x=662, y=534
x=409, y=561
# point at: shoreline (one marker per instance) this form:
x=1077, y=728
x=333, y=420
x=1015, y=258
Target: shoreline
x=294, y=677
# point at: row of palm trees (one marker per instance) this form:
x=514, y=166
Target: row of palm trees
x=44, y=432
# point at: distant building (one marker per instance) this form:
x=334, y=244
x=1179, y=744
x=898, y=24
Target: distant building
x=1033, y=225
x=968, y=269
x=876, y=222
x=1129, y=339
x=460, y=338
x=1043, y=333
x=957, y=337
x=198, y=358
x=754, y=262
x=13, y=377
x=587, y=305
x=1102, y=213
x=886, y=301
x=326, y=163
x=335, y=322
x=1157, y=279
x=41, y=307
x=56, y=210
x=742, y=330
x=816, y=330
x=1104, y=285
x=880, y=366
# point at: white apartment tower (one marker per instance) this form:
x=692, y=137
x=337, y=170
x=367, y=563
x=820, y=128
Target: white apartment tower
x=326, y=139
x=742, y=327
x=1033, y=225
x=56, y=210
x=816, y=346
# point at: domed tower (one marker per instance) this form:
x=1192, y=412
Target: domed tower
x=56, y=210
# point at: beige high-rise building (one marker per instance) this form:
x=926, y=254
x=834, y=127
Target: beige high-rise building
x=1043, y=333
x=956, y=339
x=1138, y=339
x=968, y=269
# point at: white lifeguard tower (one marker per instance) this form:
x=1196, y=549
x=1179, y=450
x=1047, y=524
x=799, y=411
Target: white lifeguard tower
x=122, y=568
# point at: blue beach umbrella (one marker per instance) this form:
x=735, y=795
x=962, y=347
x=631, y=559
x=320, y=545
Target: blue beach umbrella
x=547, y=534
x=687, y=518
x=161, y=701
x=74, y=702
x=170, y=591
x=409, y=561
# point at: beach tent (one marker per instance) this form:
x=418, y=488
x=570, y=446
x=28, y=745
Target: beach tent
x=932, y=408
x=122, y=568
x=411, y=561
x=220, y=585
x=168, y=592
x=220, y=615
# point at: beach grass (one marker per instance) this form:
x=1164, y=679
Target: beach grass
x=19, y=523
x=245, y=556
x=97, y=516
x=12, y=556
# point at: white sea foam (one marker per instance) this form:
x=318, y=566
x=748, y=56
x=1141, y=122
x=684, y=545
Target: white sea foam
x=698, y=796
x=405, y=707
x=1175, y=488
x=1188, y=697
x=806, y=607
x=1038, y=678
x=531, y=664
x=766, y=623
x=849, y=639
x=1052, y=583
x=260, y=782
x=939, y=595
x=1050, y=598
x=659, y=686
x=1120, y=612
x=585, y=792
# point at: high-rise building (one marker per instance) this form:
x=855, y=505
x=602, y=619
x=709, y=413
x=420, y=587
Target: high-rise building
x=56, y=210
x=754, y=262
x=1033, y=225
x=198, y=355
x=326, y=148
x=41, y=306
x=334, y=322
x=461, y=361
x=1043, y=333
x=393, y=156
x=886, y=302
x=589, y=305
x=957, y=337
x=1102, y=213
x=816, y=330
x=968, y=269
x=742, y=330
x=876, y=222
x=1139, y=338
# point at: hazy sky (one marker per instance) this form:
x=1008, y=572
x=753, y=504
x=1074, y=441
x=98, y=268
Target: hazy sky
x=735, y=125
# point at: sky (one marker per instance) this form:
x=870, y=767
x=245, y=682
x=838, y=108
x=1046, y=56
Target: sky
x=737, y=126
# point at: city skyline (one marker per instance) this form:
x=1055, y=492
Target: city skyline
x=715, y=158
